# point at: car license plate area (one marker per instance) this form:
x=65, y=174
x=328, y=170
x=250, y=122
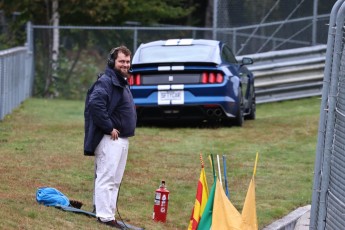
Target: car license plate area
x=173, y=97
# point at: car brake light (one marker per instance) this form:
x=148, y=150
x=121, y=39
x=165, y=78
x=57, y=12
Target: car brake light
x=137, y=79
x=131, y=80
x=134, y=80
x=219, y=78
x=211, y=78
x=204, y=78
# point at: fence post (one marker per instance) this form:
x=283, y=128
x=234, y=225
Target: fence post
x=135, y=39
x=314, y=30
x=30, y=57
x=215, y=19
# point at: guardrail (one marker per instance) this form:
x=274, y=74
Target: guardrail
x=288, y=74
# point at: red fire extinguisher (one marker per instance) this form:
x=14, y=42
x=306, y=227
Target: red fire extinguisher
x=160, y=208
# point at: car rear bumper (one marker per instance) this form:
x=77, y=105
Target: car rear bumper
x=186, y=112
x=196, y=102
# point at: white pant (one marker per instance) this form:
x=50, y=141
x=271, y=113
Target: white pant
x=110, y=163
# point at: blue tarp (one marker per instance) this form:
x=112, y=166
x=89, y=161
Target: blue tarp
x=51, y=197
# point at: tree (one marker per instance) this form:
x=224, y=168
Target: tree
x=84, y=12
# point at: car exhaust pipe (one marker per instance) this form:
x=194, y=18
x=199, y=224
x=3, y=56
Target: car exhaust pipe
x=209, y=112
x=217, y=112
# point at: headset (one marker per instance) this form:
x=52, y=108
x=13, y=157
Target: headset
x=111, y=60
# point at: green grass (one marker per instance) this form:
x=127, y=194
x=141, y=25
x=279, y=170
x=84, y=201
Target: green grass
x=41, y=144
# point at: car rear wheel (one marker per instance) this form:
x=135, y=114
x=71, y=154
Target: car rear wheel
x=239, y=116
x=252, y=113
x=239, y=120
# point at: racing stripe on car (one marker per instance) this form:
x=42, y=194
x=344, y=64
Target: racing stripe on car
x=163, y=68
x=170, y=87
x=163, y=87
x=180, y=67
x=177, y=87
x=167, y=68
x=180, y=42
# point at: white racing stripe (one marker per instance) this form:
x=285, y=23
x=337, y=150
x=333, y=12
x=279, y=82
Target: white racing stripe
x=163, y=87
x=184, y=42
x=172, y=42
x=164, y=68
x=180, y=67
x=174, y=87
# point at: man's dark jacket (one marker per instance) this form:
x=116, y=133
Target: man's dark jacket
x=109, y=104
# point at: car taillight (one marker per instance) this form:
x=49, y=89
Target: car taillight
x=211, y=78
x=130, y=80
x=135, y=79
x=204, y=78
x=219, y=78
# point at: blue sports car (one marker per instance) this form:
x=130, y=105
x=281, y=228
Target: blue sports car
x=191, y=80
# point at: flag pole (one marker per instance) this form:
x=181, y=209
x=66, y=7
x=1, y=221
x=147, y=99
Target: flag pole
x=220, y=175
x=212, y=165
x=203, y=169
x=201, y=161
x=225, y=179
x=256, y=162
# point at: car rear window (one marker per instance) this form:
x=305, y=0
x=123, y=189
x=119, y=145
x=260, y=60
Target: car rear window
x=190, y=53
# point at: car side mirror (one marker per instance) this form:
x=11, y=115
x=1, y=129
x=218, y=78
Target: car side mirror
x=247, y=61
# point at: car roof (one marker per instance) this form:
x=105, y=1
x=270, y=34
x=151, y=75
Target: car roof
x=171, y=43
x=183, y=41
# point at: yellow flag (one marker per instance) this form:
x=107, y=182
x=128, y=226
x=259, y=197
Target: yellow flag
x=224, y=216
x=249, y=208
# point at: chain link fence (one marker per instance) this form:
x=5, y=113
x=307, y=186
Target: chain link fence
x=83, y=49
x=16, y=78
x=328, y=201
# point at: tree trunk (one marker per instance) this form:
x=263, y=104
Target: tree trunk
x=56, y=38
x=53, y=40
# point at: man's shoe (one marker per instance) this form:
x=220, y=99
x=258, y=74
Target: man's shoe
x=112, y=223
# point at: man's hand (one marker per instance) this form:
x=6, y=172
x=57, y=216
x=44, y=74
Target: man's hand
x=114, y=134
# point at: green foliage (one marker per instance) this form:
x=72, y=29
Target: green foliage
x=82, y=56
x=74, y=69
x=70, y=79
x=74, y=85
x=156, y=11
x=41, y=144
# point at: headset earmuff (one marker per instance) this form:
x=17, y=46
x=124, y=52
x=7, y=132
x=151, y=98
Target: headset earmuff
x=111, y=61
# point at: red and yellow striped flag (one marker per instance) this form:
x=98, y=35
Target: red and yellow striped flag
x=201, y=199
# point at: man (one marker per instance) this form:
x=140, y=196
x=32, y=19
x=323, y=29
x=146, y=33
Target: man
x=110, y=118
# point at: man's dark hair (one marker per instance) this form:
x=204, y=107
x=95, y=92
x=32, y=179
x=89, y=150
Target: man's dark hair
x=122, y=49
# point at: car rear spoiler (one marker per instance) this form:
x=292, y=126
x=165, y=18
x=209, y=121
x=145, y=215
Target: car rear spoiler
x=176, y=64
